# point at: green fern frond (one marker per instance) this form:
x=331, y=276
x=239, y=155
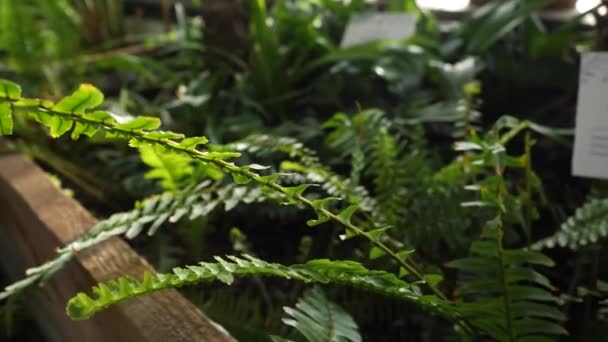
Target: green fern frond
x=321, y=320
x=242, y=312
x=316, y=271
x=171, y=169
x=389, y=169
x=503, y=295
x=191, y=203
x=588, y=225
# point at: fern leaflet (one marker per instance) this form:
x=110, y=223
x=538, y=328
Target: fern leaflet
x=588, y=225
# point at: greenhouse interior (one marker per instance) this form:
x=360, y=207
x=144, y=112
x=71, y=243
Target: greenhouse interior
x=303, y=170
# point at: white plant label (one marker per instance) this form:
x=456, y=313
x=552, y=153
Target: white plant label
x=366, y=28
x=591, y=140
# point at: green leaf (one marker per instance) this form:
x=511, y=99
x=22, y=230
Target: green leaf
x=222, y=155
x=169, y=167
x=6, y=119
x=257, y=167
x=141, y=123
x=83, y=99
x=467, y=146
x=293, y=166
x=347, y=213
x=404, y=255
x=85, y=129
x=320, y=203
x=322, y=218
x=376, y=253
x=10, y=89
x=377, y=233
x=58, y=125
x=270, y=179
x=320, y=320
x=240, y=178
x=530, y=257
x=296, y=190
x=164, y=135
x=433, y=279
x=100, y=116
x=192, y=143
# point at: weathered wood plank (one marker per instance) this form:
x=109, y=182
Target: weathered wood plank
x=35, y=218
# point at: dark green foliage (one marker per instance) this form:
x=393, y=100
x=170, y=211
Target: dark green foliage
x=319, y=319
x=503, y=295
x=383, y=191
x=305, y=162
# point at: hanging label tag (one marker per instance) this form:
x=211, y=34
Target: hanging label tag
x=366, y=28
x=591, y=140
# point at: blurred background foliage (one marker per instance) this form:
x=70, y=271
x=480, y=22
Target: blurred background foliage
x=373, y=124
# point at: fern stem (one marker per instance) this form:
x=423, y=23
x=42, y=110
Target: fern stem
x=514, y=132
x=503, y=280
x=230, y=167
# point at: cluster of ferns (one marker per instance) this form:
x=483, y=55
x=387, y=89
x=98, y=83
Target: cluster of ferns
x=398, y=202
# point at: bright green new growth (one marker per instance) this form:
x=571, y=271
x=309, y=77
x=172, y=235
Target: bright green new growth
x=315, y=271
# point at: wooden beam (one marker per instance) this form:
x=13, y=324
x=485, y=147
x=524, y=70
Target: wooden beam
x=35, y=218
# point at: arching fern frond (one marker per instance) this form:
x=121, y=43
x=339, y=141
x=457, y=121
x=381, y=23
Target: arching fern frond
x=321, y=320
x=315, y=271
x=588, y=225
x=191, y=203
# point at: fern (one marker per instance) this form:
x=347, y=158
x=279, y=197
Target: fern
x=315, y=271
x=511, y=301
x=320, y=320
x=191, y=203
x=170, y=168
x=409, y=197
x=588, y=225
x=75, y=113
x=503, y=296
x=242, y=312
x=309, y=165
